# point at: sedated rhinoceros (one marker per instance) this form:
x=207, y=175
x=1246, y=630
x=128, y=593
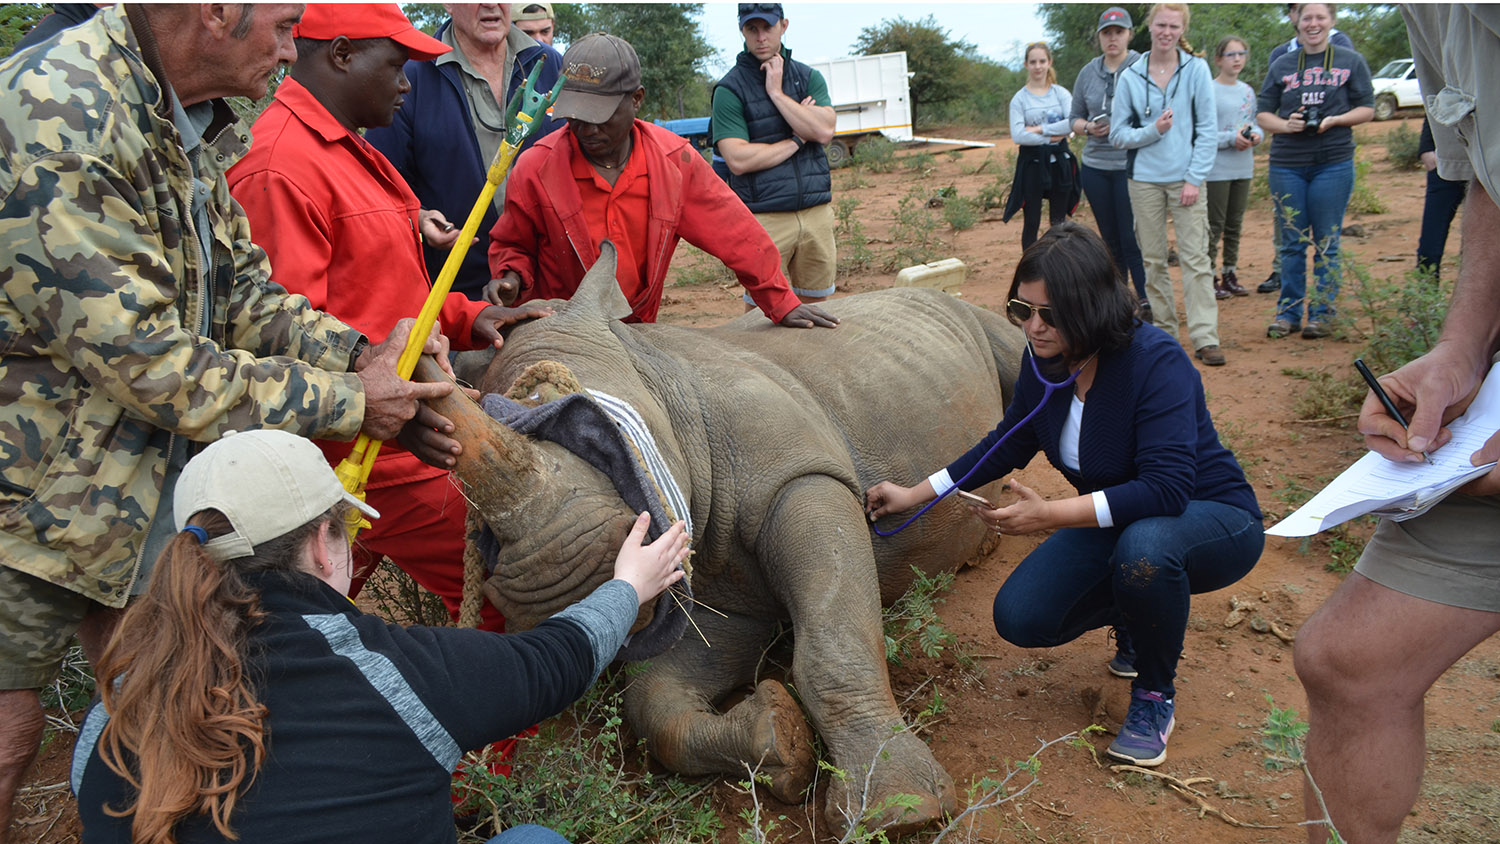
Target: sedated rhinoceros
x=772, y=435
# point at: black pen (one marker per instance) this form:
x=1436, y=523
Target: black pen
x=1385, y=399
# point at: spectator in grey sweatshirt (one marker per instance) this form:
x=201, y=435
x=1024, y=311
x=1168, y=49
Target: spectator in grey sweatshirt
x=1229, y=181
x=1163, y=115
x=1046, y=168
x=1102, y=166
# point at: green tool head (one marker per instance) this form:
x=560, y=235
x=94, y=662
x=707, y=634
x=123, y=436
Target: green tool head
x=529, y=104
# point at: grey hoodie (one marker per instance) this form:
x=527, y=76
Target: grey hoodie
x=1093, y=95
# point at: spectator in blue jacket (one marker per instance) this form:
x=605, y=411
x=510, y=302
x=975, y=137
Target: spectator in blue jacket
x=1165, y=114
x=446, y=133
x=1163, y=511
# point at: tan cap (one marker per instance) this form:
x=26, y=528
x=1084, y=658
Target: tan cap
x=518, y=12
x=600, y=70
x=267, y=483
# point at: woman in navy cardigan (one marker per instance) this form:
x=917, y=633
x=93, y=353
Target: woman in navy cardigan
x=1163, y=509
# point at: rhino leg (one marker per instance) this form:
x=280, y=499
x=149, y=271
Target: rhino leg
x=673, y=706
x=816, y=548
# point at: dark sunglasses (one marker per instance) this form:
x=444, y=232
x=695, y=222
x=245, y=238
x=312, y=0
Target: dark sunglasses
x=1020, y=311
x=748, y=8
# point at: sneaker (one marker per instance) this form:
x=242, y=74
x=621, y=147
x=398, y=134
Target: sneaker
x=1280, y=328
x=1232, y=284
x=1211, y=356
x=1145, y=311
x=1143, y=738
x=1220, y=292
x=1123, y=663
x=1272, y=284
x=1315, y=329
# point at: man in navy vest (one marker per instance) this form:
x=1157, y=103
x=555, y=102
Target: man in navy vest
x=771, y=118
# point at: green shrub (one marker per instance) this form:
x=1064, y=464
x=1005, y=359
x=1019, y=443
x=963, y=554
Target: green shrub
x=1401, y=148
x=876, y=154
x=914, y=233
x=1364, y=199
x=961, y=213
x=854, y=254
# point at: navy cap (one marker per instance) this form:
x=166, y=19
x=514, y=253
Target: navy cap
x=768, y=12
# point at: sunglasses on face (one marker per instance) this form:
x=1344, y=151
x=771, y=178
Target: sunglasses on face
x=1020, y=311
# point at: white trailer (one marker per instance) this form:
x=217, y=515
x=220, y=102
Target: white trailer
x=871, y=96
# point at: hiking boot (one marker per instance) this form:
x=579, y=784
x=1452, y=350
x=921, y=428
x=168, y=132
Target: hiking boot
x=1123, y=663
x=1232, y=284
x=1145, y=311
x=1280, y=328
x=1143, y=737
x=1220, y=292
x=1212, y=356
x=1315, y=329
x=1272, y=284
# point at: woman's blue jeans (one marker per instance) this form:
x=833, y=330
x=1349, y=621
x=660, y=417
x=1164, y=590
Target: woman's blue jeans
x=1110, y=199
x=528, y=834
x=1140, y=577
x=1313, y=200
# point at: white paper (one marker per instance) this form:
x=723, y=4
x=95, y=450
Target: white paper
x=1403, y=490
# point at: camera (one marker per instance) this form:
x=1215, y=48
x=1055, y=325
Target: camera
x=1312, y=118
x=1247, y=133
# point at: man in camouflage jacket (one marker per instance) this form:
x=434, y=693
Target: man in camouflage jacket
x=135, y=316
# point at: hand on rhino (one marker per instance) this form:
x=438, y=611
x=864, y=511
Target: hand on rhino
x=651, y=568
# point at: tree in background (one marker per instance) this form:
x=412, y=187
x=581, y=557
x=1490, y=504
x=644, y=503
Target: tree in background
x=933, y=59
x=951, y=82
x=17, y=19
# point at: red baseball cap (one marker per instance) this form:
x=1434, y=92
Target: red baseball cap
x=327, y=21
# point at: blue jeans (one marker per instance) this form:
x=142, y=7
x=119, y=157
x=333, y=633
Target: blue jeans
x=1139, y=576
x=528, y=834
x=1313, y=199
x=1108, y=196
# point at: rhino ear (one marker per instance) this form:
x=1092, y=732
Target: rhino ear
x=599, y=289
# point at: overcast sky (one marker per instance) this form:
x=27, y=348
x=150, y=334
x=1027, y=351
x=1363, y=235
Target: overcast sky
x=827, y=30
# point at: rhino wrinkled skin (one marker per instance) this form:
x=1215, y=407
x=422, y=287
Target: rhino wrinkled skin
x=773, y=435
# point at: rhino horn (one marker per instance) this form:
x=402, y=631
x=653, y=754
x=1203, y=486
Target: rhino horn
x=499, y=468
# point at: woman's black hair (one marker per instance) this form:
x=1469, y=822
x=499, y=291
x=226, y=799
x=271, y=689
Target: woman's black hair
x=1092, y=307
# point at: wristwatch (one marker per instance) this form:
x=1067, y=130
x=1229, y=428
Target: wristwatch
x=359, y=348
x=799, y=142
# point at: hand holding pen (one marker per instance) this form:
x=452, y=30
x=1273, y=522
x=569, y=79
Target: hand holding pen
x=1385, y=402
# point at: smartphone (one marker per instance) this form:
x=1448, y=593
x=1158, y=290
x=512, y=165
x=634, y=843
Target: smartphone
x=975, y=499
x=1100, y=119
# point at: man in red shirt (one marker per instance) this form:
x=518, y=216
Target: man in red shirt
x=341, y=227
x=636, y=184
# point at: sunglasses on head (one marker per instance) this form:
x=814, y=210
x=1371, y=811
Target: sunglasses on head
x=1020, y=311
x=747, y=8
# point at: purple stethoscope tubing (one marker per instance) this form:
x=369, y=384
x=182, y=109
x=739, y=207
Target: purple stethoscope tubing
x=1048, y=388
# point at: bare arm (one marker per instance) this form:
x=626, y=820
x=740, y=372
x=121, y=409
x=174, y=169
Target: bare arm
x=809, y=121
x=744, y=157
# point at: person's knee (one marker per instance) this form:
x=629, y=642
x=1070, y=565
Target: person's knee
x=1023, y=622
x=1328, y=666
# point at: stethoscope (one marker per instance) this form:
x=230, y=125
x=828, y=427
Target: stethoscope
x=1048, y=388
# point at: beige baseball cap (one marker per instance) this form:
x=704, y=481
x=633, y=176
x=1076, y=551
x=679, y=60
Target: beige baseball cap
x=267, y=483
x=518, y=12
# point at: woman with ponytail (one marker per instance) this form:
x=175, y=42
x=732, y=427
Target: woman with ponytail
x=246, y=698
x=1045, y=169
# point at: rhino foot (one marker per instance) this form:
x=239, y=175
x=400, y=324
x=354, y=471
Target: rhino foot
x=783, y=741
x=904, y=769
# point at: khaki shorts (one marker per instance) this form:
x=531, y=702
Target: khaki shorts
x=1448, y=555
x=37, y=621
x=805, y=239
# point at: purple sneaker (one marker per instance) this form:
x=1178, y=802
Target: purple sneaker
x=1143, y=738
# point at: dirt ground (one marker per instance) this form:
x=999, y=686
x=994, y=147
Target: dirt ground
x=999, y=707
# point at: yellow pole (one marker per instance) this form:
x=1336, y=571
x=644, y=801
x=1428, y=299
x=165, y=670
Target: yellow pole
x=354, y=471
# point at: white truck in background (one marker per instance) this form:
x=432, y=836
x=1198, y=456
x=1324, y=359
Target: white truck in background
x=871, y=97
